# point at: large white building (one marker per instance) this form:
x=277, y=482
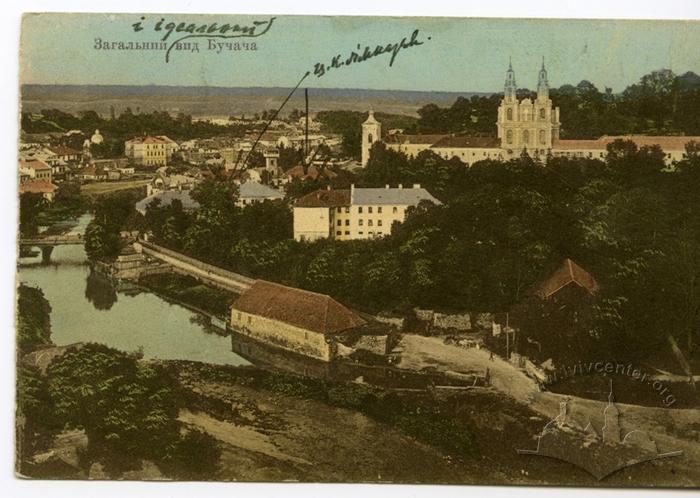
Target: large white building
x=149, y=150
x=525, y=125
x=354, y=213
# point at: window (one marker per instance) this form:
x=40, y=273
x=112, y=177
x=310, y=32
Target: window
x=347, y=232
x=339, y=232
x=340, y=222
x=359, y=209
x=542, y=111
x=526, y=137
x=379, y=209
x=239, y=316
x=370, y=139
x=347, y=223
x=509, y=114
x=509, y=136
x=369, y=209
x=379, y=223
x=339, y=210
x=250, y=320
x=395, y=210
x=542, y=136
x=347, y=210
x=369, y=223
x=361, y=233
x=360, y=222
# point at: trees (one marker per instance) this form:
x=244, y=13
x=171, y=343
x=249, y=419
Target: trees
x=33, y=319
x=112, y=213
x=128, y=409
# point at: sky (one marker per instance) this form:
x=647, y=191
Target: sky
x=456, y=54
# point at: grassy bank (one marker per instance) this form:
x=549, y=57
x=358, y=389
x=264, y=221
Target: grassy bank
x=417, y=416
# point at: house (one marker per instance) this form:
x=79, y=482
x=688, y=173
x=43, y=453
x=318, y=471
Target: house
x=355, y=213
x=163, y=182
x=91, y=174
x=251, y=192
x=293, y=319
x=148, y=150
x=166, y=198
x=46, y=189
x=555, y=319
x=568, y=275
x=66, y=154
x=37, y=170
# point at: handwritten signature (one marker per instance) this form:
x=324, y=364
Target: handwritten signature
x=198, y=30
x=339, y=61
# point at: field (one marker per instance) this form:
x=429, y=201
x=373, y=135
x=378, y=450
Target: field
x=102, y=188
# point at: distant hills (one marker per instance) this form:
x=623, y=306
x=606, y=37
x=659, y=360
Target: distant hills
x=223, y=101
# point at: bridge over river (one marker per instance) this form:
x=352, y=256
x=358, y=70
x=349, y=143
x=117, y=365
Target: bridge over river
x=47, y=242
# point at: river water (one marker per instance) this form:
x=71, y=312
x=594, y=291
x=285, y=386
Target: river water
x=85, y=307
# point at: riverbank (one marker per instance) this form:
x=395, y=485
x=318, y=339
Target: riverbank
x=190, y=292
x=273, y=426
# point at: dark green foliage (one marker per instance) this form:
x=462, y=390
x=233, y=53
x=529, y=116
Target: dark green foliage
x=33, y=319
x=189, y=290
x=195, y=456
x=126, y=126
x=30, y=206
x=659, y=103
x=127, y=408
x=113, y=213
x=420, y=418
x=348, y=124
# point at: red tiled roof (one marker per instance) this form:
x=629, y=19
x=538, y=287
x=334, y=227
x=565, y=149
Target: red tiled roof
x=62, y=150
x=147, y=140
x=465, y=141
x=37, y=187
x=297, y=307
x=325, y=198
x=35, y=164
x=400, y=138
x=567, y=273
x=667, y=143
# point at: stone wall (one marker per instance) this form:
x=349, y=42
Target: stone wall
x=198, y=269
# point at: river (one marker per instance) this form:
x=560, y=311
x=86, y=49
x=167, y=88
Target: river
x=85, y=307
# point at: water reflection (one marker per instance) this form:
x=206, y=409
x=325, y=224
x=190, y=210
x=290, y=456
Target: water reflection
x=86, y=308
x=100, y=291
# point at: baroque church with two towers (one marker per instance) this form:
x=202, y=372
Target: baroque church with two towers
x=527, y=125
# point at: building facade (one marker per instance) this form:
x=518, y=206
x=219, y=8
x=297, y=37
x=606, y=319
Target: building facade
x=355, y=213
x=293, y=319
x=523, y=126
x=148, y=151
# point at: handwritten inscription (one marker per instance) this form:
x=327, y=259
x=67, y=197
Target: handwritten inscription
x=189, y=30
x=361, y=55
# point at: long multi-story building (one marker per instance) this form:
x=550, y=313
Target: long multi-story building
x=149, y=150
x=525, y=125
x=354, y=213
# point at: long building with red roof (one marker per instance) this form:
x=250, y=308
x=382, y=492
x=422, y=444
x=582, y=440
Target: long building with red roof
x=523, y=125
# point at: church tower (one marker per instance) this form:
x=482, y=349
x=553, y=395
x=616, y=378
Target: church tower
x=527, y=125
x=542, y=84
x=371, y=132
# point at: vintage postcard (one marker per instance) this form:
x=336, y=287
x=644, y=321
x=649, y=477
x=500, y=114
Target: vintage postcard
x=359, y=249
